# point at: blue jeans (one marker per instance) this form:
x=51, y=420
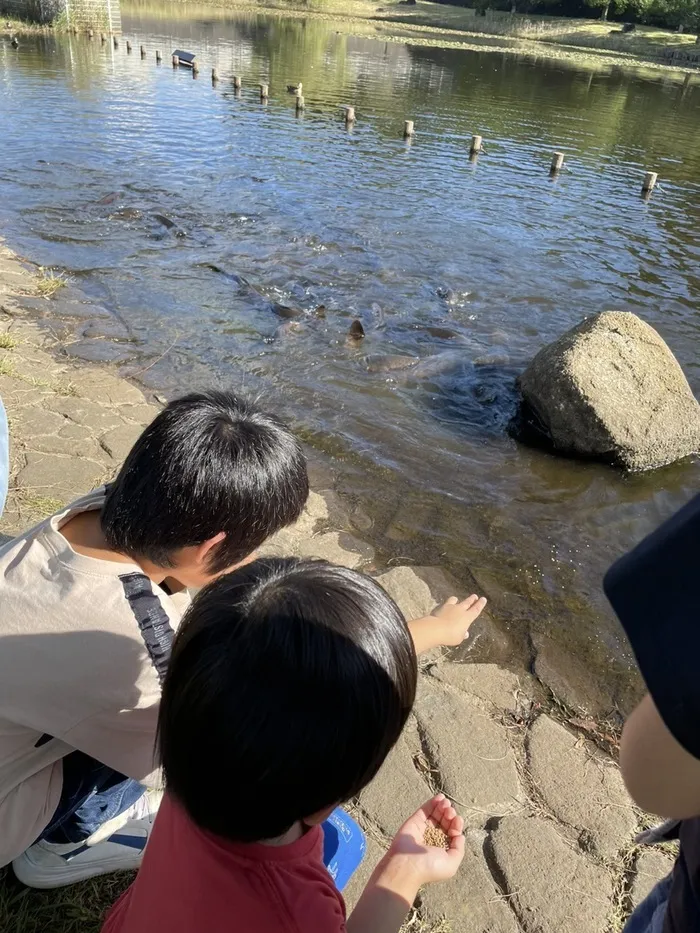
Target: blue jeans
x=650, y=915
x=93, y=793
x=4, y=457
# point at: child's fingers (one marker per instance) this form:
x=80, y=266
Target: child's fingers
x=456, y=847
x=469, y=601
x=477, y=607
x=456, y=827
x=447, y=816
x=452, y=601
x=433, y=806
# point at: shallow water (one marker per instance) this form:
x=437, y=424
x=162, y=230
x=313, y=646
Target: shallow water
x=138, y=180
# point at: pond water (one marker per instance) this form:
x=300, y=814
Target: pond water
x=191, y=213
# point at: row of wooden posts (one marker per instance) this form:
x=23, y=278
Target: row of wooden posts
x=557, y=164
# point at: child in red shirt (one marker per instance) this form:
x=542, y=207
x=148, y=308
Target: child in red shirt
x=289, y=683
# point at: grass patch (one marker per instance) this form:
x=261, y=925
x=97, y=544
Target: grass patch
x=66, y=388
x=42, y=506
x=7, y=341
x=414, y=923
x=10, y=25
x=79, y=908
x=49, y=282
x=6, y=369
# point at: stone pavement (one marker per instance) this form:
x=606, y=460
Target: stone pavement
x=549, y=825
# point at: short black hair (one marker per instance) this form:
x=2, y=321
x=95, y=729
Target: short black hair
x=209, y=462
x=289, y=682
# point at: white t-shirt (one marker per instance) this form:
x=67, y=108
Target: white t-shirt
x=83, y=649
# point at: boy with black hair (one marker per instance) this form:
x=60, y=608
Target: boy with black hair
x=89, y=601
x=88, y=607
x=290, y=681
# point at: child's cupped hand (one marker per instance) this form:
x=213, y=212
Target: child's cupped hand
x=427, y=862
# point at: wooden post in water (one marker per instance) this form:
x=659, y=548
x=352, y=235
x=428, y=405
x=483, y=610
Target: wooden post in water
x=236, y=83
x=159, y=58
x=195, y=68
x=143, y=51
x=128, y=47
x=103, y=38
x=264, y=92
x=214, y=76
x=557, y=163
x=408, y=129
x=116, y=42
x=91, y=34
x=349, y=116
x=476, y=146
x=176, y=61
x=300, y=104
x=649, y=182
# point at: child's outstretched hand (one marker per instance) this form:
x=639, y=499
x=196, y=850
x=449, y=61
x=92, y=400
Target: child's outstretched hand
x=429, y=862
x=449, y=625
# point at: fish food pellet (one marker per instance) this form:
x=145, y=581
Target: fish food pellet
x=435, y=837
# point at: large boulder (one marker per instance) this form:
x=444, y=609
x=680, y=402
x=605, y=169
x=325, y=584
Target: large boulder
x=611, y=389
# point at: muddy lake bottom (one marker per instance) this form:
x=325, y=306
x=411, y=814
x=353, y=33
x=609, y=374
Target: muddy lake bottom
x=190, y=216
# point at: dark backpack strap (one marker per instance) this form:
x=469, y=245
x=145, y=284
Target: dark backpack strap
x=152, y=620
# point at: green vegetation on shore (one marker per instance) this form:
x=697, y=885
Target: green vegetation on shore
x=584, y=42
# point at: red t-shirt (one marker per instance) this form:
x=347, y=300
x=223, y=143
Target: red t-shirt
x=193, y=882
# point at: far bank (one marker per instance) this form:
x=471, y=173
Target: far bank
x=588, y=43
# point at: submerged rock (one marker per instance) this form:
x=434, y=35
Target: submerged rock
x=610, y=389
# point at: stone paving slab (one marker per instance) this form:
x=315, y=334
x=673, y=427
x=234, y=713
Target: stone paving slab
x=470, y=753
x=552, y=886
x=396, y=792
x=471, y=902
x=581, y=786
x=490, y=683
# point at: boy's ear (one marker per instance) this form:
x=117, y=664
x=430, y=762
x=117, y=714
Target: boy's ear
x=205, y=547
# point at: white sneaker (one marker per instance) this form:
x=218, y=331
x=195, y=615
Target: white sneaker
x=117, y=845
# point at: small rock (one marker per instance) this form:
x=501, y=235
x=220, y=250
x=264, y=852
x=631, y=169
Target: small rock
x=552, y=887
x=471, y=753
x=396, y=792
x=581, y=785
